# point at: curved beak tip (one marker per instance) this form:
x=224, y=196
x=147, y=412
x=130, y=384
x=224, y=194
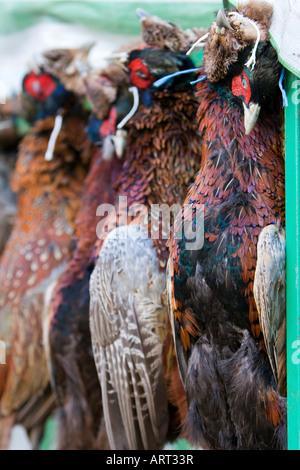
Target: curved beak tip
x=222, y=20
x=251, y=114
x=119, y=57
x=141, y=14
x=89, y=46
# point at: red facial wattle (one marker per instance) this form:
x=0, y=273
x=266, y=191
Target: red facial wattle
x=140, y=75
x=39, y=86
x=240, y=86
x=109, y=125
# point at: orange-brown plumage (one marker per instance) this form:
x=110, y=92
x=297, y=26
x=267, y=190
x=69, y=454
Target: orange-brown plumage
x=48, y=198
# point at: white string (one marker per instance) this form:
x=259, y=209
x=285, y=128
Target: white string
x=53, y=137
x=135, y=106
x=252, y=59
x=198, y=42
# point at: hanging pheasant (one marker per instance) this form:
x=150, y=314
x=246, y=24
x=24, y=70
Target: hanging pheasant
x=131, y=338
x=73, y=373
x=52, y=163
x=14, y=125
x=41, y=95
x=233, y=399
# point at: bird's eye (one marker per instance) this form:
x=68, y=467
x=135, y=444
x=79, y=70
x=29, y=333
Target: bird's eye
x=240, y=86
x=235, y=44
x=36, y=86
x=141, y=74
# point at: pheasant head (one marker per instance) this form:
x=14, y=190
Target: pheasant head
x=233, y=33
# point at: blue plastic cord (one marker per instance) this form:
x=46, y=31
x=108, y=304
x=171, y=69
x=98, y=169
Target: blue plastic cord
x=204, y=77
x=283, y=92
x=163, y=80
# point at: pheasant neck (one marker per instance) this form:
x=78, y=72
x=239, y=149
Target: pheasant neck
x=230, y=159
x=163, y=150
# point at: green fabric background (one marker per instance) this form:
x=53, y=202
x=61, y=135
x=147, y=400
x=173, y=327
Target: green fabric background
x=107, y=16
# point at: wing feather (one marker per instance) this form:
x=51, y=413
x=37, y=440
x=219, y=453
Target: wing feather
x=128, y=323
x=270, y=297
x=28, y=375
x=180, y=354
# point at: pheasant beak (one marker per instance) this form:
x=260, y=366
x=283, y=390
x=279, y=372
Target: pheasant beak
x=222, y=21
x=86, y=48
x=82, y=69
x=251, y=113
x=83, y=53
x=142, y=14
x=119, y=58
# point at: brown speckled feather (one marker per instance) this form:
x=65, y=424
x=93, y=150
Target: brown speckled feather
x=48, y=199
x=166, y=35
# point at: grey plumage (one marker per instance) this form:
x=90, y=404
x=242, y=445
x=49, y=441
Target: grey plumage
x=270, y=297
x=128, y=323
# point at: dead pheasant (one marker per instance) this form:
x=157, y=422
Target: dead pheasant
x=73, y=373
x=222, y=335
x=18, y=115
x=132, y=342
x=41, y=96
x=52, y=163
